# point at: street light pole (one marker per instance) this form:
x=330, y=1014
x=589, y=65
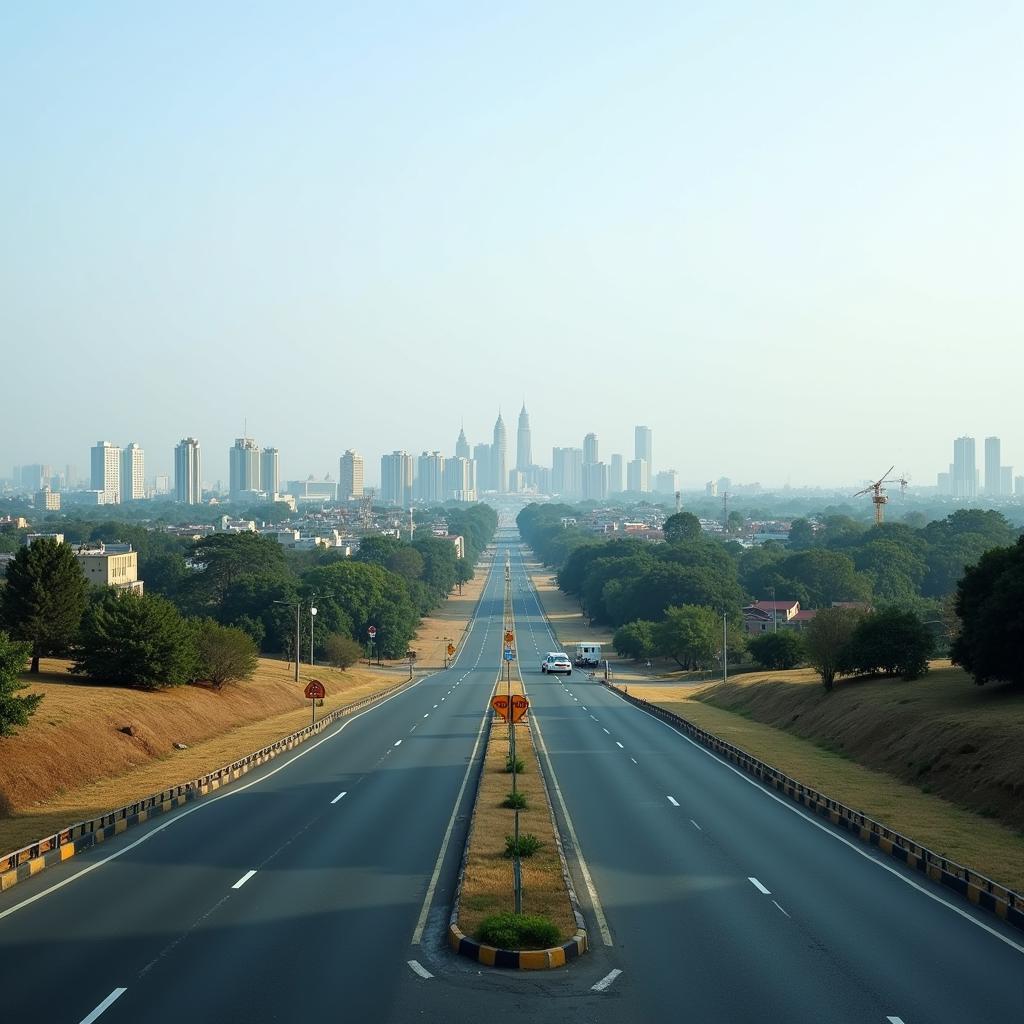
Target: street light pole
x=312, y=619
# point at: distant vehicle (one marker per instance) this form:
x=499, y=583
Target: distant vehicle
x=587, y=656
x=556, y=661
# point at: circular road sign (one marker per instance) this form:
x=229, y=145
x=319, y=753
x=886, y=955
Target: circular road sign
x=372, y=631
x=509, y=636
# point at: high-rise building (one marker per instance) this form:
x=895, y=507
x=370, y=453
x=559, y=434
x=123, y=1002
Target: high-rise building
x=350, y=476
x=133, y=473
x=524, y=455
x=188, y=472
x=643, y=445
x=462, y=446
x=396, y=479
x=944, y=483
x=161, y=484
x=1006, y=481
x=244, y=466
x=270, y=471
x=638, y=477
x=1018, y=486
x=483, y=457
x=430, y=477
x=106, y=472
x=499, y=456
x=666, y=482
x=459, y=484
x=567, y=472
x=595, y=480
x=32, y=478
x=590, y=449
x=993, y=461
x=965, y=475
x=615, y=475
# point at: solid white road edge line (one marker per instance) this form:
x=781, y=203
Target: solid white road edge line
x=245, y=878
x=758, y=886
x=780, y=908
x=673, y=801
x=113, y=997
x=595, y=900
x=419, y=969
x=339, y=796
x=695, y=825
x=792, y=808
x=606, y=981
x=421, y=923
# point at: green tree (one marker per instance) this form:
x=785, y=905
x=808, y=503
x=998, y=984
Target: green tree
x=781, y=650
x=463, y=572
x=135, y=640
x=341, y=651
x=989, y=602
x=891, y=641
x=14, y=710
x=225, y=559
x=635, y=640
x=689, y=635
x=44, y=597
x=406, y=562
x=822, y=576
x=801, y=535
x=827, y=642
x=681, y=526
x=223, y=653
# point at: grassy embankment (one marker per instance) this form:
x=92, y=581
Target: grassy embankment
x=938, y=759
x=72, y=762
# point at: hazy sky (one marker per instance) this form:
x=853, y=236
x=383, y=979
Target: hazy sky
x=787, y=236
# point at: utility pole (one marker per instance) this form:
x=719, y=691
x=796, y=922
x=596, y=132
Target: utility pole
x=312, y=619
x=725, y=648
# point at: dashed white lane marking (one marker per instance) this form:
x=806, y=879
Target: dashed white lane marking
x=894, y=1020
x=673, y=801
x=339, y=796
x=435, y=705
x=112, y=998
x=413, y=729
x=427, y=715
x=780, y=908
x=593, y=717
x=758, y=886
x=245, y=878
x=398, y=743
x=606, y=730
x=695, y=825
x=619, y=745
x=634, y=760
x=419, y=969
x=584, y=706
x=606, y=981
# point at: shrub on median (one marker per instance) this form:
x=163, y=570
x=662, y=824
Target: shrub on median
x=518, y=931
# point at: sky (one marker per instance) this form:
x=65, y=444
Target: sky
x=785, y=236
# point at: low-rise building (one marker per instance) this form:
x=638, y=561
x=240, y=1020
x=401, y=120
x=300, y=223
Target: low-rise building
x=48, y=499
x=111, y=566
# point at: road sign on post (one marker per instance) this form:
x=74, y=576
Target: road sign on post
x=509, y=637
x=451, y=650
x=520, y=705
x=372, y=631
x=510, y=655
x=500, y=705
x=315, y=691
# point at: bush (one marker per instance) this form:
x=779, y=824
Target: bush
x=342, y=651
x=777, y=650
x=525, y=846
x=518, y=931
x=515, y=801
x=223, y=653
x=891, y=641
x=518, y=769
x=14, y=710
x=634, y=640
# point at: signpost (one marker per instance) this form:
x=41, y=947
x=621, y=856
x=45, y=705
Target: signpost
x=372, y=633
x=411, y=655
x=315, y=691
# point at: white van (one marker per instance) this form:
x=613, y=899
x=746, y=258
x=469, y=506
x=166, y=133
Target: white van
x=587, y=655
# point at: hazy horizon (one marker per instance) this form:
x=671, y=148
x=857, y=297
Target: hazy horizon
x=784, y=238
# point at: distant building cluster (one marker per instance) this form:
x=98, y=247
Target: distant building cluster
x=963, y=480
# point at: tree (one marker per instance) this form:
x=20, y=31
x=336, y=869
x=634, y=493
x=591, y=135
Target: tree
x=801, y=535
x=406, y=562
x=223, y=653
x=135, y=640
x=823, y=576
x=44, y=597
x=226, y=558
x=990, y=604
x=681, y=526
x=341, y=651
x=891, y=641
x=14, y=710
x=463, y=572
x=689, y=636
x=780, y=650
x=827, y=641
x=635, y=640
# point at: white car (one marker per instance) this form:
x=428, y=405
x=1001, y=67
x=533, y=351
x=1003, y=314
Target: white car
x=556, y=661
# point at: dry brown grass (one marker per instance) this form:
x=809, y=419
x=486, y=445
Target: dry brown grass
x=487, y=885
x=894, y=721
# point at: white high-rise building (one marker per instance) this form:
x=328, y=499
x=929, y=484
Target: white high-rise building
x=459, y=483
x=965, y=475
x=638, y=477
x=993, y=464
x=595, y=481
x=643, y=445
x=590, y=450
x=350, y=476
x=462, y=446
x=244, y=466
x=499, y=456
x=270, y=471
x=567, y=472
x=615, y=475
x=483, y=456
x=524, y=455
x=666, y=482
x=188, y=472
x=133, y=473
x=106, y=472
x=430, y=477
x=396, y=478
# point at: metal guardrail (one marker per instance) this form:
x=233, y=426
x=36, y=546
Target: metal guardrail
x=185, y=791
x=979, y=889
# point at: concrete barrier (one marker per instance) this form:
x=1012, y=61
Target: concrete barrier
x=979, y=890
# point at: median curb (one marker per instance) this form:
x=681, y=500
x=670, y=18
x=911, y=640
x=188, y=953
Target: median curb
x=979, y=890
x=521, y=959
x=84, y=835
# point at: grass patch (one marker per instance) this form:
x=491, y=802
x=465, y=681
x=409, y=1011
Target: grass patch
x=518, y=931
x=518, y=767
x=514, y=801
x=525, y=846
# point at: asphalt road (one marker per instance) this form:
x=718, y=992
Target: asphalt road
x=282, y=899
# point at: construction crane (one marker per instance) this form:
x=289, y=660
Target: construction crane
x=878, y=495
